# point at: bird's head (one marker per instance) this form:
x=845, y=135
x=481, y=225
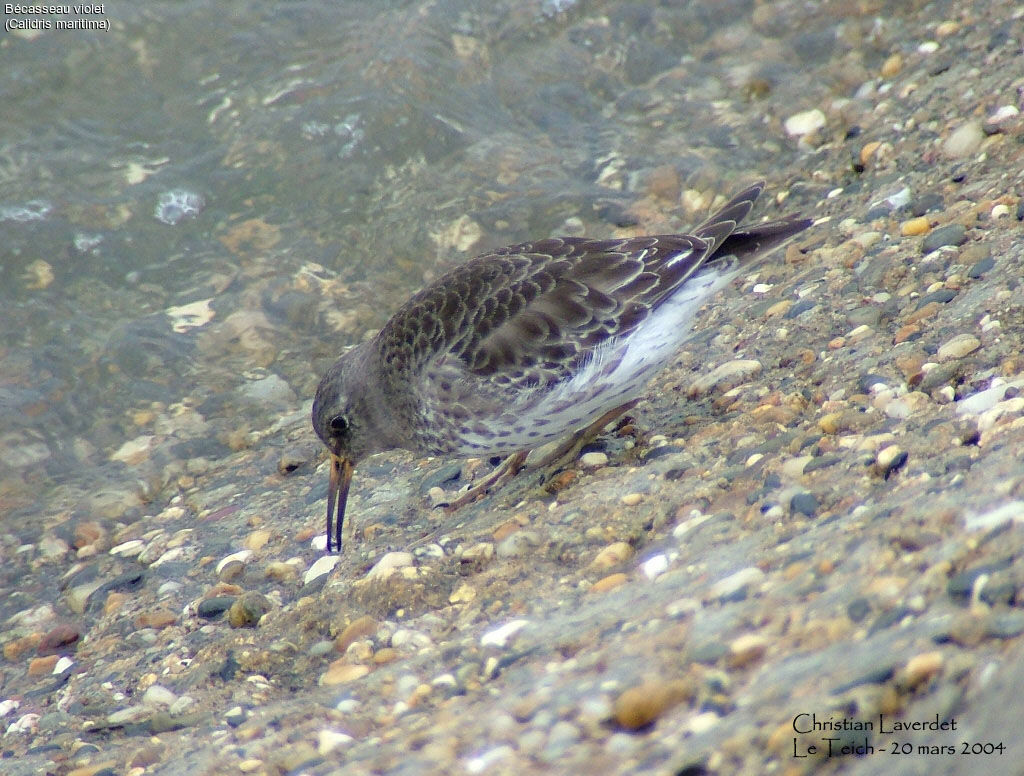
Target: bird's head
x=338, y=418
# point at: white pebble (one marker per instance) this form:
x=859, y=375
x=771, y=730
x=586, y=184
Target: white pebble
x=1013, y=510
x=1003, y=112
x=733, y=583
x=500, y=636
x=389, y=563
x=158, y=695
x=128, y=549
x=483, y=761
x=62, y=665
x=964, y=140
x=329, y=740
x=322, y=566
x=654, y=566
x=241, y=557
x=805, y=122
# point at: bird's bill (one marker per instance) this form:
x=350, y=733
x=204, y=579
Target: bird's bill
x=337, y=496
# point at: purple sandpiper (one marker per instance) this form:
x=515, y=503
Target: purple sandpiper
x=528, y=344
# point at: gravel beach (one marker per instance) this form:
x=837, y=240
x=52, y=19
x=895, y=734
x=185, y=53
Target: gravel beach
x=802, y=551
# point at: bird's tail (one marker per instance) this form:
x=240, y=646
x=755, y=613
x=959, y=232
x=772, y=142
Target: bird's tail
x=761, y=239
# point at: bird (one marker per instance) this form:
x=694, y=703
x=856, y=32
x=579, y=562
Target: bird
x=529, y=344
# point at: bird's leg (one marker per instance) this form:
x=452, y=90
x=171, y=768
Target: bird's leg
x=561, y=455
x=505, y=471
x=569, y=449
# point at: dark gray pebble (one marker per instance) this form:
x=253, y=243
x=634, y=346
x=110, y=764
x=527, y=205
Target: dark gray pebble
x=658, y=452
x=821, y=462
x=926, y=203
x=1006, y=626
x=879, y=675
x=215, y=606
x=888, y=619
x=800, y=308
x=960, y=585
x=943, y=296
x=942, y=375
x=858, y=609
x=868, y=315
x=447, y=475
x=804, y=504
x=979, y=268
x=709, y=652
x=951, y=234
x=296, y=456
x=865, y=381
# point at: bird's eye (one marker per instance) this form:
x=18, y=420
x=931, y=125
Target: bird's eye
x=339, y=424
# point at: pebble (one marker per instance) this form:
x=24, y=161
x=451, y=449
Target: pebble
x=958, y=347
x=323, y=566
x=158, y=618
x=409, y=639
x=517, y=544
x=247, y=610
x=735, y=586
x=612, y=555
x=594, y=460
x=329, y=740
x=343, y=672
x=483, y=762
x=915, y=226
x=980, y=402
x=215, y=606
x=359, y=628
x=609, y=582
x=477, y=555
x=654, y=566
x=40, y=666
x=632, y=499
x=746, y=649
x=256, y=541
x=805, y=122
x=61, y=638
x=130, y=714
x=561, y=737
x=889, y=460
x=281, y=571
x=726, y=376
x=438, y=496
x=1002, y=114
x=867, y=239
x=804, y=503
x=389, y=563
x=128, y=549
x=921, y=668
x=964, y=140
x=236, y=561
x=951, y=234
x=993, y=518
x=640, y=706
x=499, y=637
x=892, y=65
x=158, y=695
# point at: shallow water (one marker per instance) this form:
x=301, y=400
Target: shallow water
x=201, y=206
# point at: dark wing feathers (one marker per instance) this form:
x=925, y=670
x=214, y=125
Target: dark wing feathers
x=530, y=311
